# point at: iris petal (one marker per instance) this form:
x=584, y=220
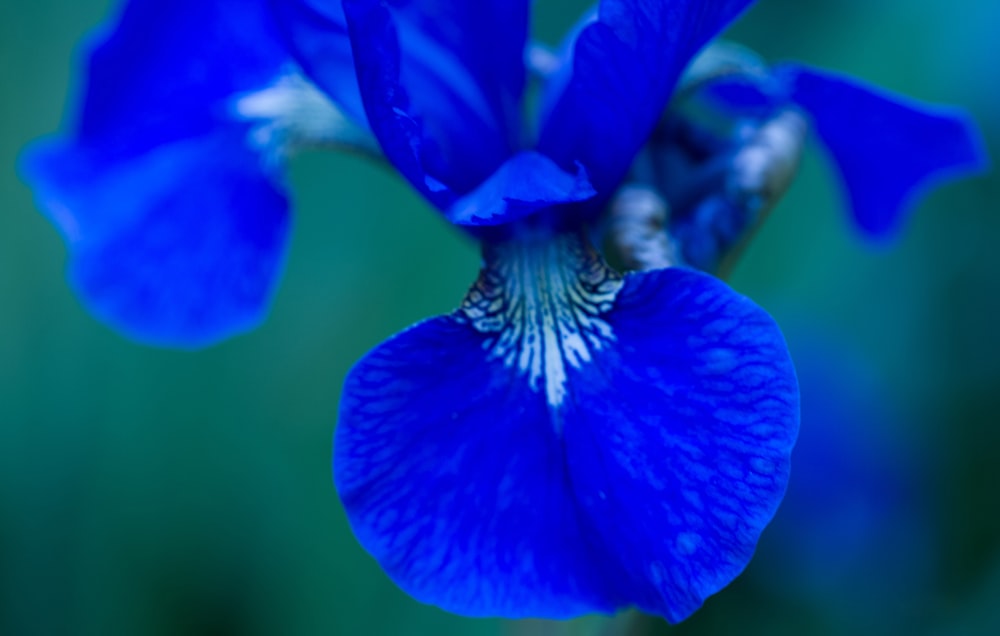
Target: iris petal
x=525, y=183
x=441, y=83
x=570, y=442
x=625, y=67
x=170, y=199
x=454, y=481
x=681, y=437
x=181, y=247
x=154, y=76
x=316, y=34
x=888, y=148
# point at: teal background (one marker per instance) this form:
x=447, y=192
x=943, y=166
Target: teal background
x=145, y=491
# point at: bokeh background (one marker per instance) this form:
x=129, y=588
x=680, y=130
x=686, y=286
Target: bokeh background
x=146, y=491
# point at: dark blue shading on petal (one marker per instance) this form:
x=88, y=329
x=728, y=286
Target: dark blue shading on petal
x=180, y=247
x=747, y=95
x=570, y=443
x=625, y=67
x=170, y=201
x=441, y=84
x=888, y=149
x=165, y=70
x=315, y=33
x=855, y=535
x=525, y=183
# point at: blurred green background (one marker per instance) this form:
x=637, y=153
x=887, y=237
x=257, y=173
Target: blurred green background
x=155, y=492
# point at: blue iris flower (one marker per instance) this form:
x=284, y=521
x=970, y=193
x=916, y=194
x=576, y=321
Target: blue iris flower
x=569, y=440
x=887, y=149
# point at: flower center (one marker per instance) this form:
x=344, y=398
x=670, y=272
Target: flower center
x=540, y=303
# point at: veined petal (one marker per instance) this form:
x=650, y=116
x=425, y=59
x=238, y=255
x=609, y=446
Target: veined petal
x=182, y=246
x=569, y=441
x=441, y=84
x=558, y=67
x=888, y=149
x=625, y=67
x=682, y=438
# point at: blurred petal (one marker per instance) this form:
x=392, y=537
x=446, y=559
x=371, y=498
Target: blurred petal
x=441, y=83
x=569, y=442
x=180, y=247
x=453, y=479
x=166, y=69
x=747, y=95
x=856, y=533
x=888, y=149
x=316, y=35
x=625, y=67
x=169, y=190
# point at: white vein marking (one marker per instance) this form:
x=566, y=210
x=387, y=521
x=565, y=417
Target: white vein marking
x=541, y=302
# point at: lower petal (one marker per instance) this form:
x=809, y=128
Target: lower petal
x=681, y=436
x=569, y=442
x=455, y=484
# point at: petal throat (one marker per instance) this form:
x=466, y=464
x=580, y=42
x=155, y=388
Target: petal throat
x=540, y=303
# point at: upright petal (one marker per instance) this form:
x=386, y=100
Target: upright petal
x=168, y=191
x=888, y=149
x=315, y=33
x=625, y=67
x=164, y=70
x=441, y=83
x=570, y=442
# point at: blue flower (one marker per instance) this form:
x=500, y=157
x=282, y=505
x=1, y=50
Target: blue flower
x=888, y=149
x=569, y=440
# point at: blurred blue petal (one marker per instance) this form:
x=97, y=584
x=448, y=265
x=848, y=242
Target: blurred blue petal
x=855, y=532
x=169, y=198
x=165, y=70
x=509, y=468
x=315, y=33
x=454, y=480
x=625, y=67
x=557, y=77
x=181, y=247
x=442, y=84
x=888, y=149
